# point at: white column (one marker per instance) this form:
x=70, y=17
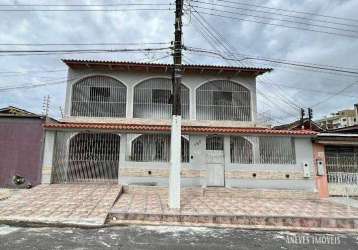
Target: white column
x=175, y=160
x=48, y=157
x=123, y=148
x=122, y=155
x=227, y=155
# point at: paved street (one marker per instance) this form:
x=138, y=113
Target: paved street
x=163, y=237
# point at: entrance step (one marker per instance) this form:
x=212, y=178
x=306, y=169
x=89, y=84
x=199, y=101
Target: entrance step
x=243, y=221
x=278, y=209
x=261, y=193
x=213, y=192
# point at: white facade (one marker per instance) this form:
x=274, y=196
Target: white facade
x=131, y=80
x=244, y=159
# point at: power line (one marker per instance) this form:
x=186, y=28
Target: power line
x=285, y=99
x=86, y=5
x=320, y=91
x=291, y=11
x=330, y=97
x=278, y=25
x=29, y=72
x=47, y=83
x=81, y=50
x=76, y=51
x=274, y=13
x=85, y=10
x=276, y=19
x=212, y=33
x=81, y=44
x=332, y=68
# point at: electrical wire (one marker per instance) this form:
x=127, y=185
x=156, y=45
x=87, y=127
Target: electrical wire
x=330, y=68
x=276, y=14
x=82, y=44
x=278, y=25
x=291, y=11
x=76, y=51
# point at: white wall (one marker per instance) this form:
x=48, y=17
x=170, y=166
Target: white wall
x=131, y=79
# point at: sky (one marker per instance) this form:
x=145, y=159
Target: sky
x=280, y=93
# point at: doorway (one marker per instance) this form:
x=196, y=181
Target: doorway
x=215, y=161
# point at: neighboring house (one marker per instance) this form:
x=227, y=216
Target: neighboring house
x=347, y=130
x=21, y=137
x=340, y=119
x=301, y=124
x=337, y=152
x=341, y=153
x=117, y=129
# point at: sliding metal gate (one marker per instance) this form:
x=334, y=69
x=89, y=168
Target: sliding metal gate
x=342, y=170
x=86, y=157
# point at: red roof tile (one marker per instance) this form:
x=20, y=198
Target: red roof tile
x=185, y=129
x=138, y=66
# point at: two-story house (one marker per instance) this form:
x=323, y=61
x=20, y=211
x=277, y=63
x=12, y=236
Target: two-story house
x=117, y=129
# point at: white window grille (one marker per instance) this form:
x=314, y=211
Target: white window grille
x=214, y=142
x=342, y=159
x=240, y=150
x=156, y=148
x=99, y=96
x=342, y=164
x=152, y=99
x=277, y=150
x=223, y=100
x=86, y=157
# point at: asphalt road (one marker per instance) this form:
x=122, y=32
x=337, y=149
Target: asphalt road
x=166, y=237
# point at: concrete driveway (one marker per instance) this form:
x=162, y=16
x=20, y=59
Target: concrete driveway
x=81, y=204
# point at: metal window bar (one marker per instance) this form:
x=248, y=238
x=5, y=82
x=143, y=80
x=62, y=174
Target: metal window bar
x=342, y=159
x=86, y=157
x=147, y=103
x=214, y=142
x=156, y=148
x=277, y=150
x=223, y=100
x=240, y=150
x=99, y=96
x=343, y=178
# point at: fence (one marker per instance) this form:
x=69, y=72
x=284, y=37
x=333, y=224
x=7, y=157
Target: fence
x=343, y=178
x=86, y=157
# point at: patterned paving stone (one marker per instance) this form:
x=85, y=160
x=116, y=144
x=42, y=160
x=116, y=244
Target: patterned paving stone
x=152, y=202
x=245, y=212
x=64, y=204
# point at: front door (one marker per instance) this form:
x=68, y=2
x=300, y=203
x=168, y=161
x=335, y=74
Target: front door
x=215, y=168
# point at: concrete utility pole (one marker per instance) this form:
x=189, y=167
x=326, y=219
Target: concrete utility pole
x=175, y=143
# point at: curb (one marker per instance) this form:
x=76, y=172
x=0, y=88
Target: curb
x=244, y=227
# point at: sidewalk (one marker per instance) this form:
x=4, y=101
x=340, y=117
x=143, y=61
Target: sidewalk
x=5, y=193
x=199, y=208
x=85, y=204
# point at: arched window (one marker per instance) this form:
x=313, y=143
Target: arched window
x=99, y=96
x=93, y=156
x=154, y=147
x=152, y=99
x=223, y=100
x=240, y=150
